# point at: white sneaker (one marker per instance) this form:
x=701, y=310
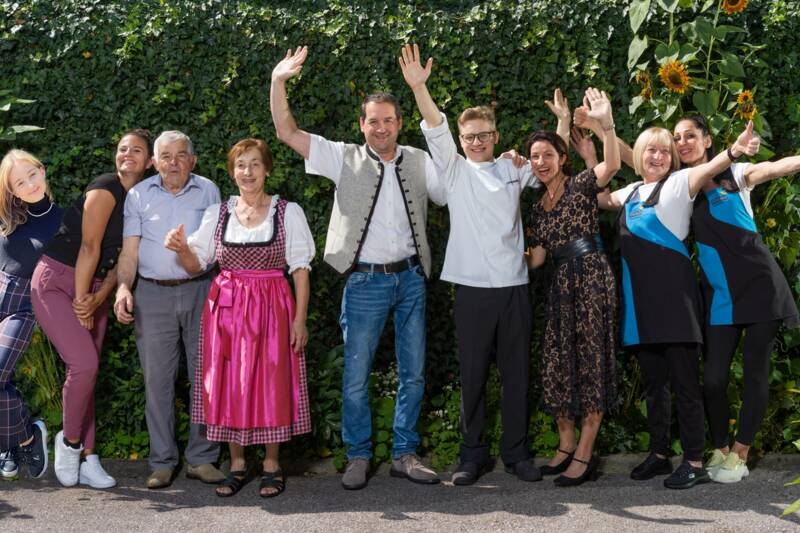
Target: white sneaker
x=713, y=465
x=732, y=470
x=92, y=474
x=68, y=462
x=8, y=467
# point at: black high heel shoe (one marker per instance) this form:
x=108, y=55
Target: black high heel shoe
x=548, y=470
x=590, y=474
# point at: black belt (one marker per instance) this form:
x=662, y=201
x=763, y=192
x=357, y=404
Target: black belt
x=175, y=282
x=388, y=268
x=577, y=248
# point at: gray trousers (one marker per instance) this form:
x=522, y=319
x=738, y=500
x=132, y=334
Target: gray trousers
x=168, y=319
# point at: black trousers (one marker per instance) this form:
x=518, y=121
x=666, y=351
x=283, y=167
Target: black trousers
x=494, y=322
x=676, y=365
x=721, y=343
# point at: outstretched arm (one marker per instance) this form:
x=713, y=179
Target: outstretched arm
x=746, y=143
x=584, y=146
x=600, y=111
x=285, y=126
x=769, y=170
x=416, y=75
x=560, y=108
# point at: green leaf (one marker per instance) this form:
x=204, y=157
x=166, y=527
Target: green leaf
x=669, y=111
x=668, y=5
x=638, y=13
x=708, y=5
x=661, y=52
x=731, y=65
x=381, y=451
x=382, y=436
x=722, y=31
x=686, y=4
x=700, y=29
x=636, y=49
x=636, y=102
x=793, y=508
x=734, y=87
x=706, y=102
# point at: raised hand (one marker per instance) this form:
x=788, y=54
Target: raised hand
x=582, y=119
x=559, y=106
x=413, y=71
x=291, y=65
x=584, y=146
x=176, y=240
x=747, y=142
x=599, y=108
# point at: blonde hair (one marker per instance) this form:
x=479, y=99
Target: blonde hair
x=481, y=112
x=658, y=137
x=13, y=211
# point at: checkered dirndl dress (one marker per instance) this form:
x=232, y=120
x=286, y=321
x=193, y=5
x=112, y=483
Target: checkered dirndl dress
x=250, y=385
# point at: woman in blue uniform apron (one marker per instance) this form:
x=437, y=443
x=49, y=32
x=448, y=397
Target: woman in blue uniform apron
x=661, y=301
x=744, y=292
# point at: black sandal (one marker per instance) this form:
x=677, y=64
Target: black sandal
x=272, y=480
x=234, y=481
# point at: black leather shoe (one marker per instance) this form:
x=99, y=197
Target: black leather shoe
x=548, y=470
x=686, y=476
x=525, y=471
x=590, y=474
x=468, y=472
x=651, y=467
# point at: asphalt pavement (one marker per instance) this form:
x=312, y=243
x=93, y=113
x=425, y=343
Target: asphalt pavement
x=314, y=501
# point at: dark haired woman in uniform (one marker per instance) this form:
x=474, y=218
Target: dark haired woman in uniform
x=744, y=290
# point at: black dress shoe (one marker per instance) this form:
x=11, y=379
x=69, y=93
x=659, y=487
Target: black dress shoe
x=525, y=471
x=548, y=470
x=468, y=472
x=651, y=467
x=590, y=474
x=686, y=476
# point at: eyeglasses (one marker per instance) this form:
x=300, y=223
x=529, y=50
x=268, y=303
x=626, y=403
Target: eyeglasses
x=483, y=136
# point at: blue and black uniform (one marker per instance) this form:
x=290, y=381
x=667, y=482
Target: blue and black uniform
x=744, y=291
x=661, y=306
x=19, y=252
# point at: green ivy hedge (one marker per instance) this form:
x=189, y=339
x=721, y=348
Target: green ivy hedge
x=203, y=66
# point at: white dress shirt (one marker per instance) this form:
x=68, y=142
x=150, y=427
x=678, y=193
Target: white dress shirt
x=299, y=241
x=389, y=237
x=485, y=247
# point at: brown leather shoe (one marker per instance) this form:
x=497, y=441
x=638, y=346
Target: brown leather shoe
x=207, y=473
x=160, y=478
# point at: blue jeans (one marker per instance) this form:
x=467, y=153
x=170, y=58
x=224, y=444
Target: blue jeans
x=368, y=299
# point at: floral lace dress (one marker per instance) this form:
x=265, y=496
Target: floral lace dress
x=580, y=336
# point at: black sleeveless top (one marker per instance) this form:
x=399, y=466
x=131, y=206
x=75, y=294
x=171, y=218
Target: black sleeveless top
x=67, y=242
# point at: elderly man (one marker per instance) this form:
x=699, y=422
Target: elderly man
x=166, y=303
x=377, y=236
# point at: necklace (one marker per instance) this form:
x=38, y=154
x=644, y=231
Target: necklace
x=250, y=210
x=552, y=195
x=40, y=214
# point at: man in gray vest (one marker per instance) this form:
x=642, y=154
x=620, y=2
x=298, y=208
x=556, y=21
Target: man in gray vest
x=377, y=237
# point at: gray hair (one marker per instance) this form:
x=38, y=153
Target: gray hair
x=172, y=136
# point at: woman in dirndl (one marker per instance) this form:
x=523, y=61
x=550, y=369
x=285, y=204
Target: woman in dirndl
x=252, y=366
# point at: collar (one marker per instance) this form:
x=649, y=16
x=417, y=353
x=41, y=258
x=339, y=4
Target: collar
x=482, y=165
x=398, y=155
x=156, y=181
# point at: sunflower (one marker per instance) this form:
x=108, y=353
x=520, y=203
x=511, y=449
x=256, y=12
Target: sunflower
x=642, y=78
x=747, y=107
x=647, y=92
x=674, y=77
x=731, y=7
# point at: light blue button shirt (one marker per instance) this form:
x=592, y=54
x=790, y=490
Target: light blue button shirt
x=151, y=211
